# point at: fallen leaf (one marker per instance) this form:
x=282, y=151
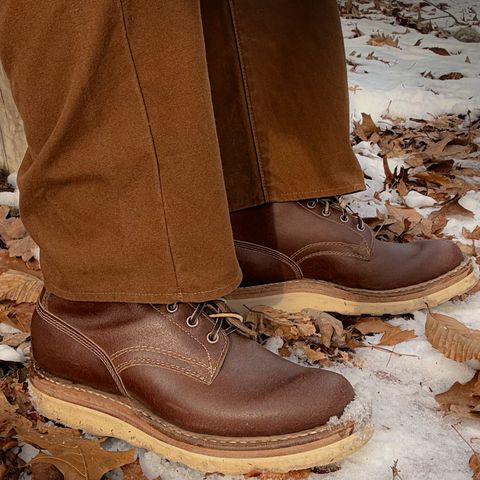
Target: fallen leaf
x=366, y=128
x=392, y=335
x=474, y=464
x=133, y=471
x=314, y=355
x=396, y=335
x=15, y=339
x=451, y=76
x=44, y=471
x=380, y=39
x=298, y=475
x=24, y=247
x=460, y=398
x=330, y=329
x=76, y=457
x=19, y=287
x=471, y=235
x=439, y=51
x=452, y=338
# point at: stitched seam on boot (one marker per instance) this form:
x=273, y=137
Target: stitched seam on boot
x=152, y=141
x=285, y=259
x=81, y=339
x=299, y=259
x=214, y=368
x=147, y=362
x=248, y=99
x=332, y=252
x=150, y=349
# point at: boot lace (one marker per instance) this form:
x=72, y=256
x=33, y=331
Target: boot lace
x=223, y=318
x=329, y=203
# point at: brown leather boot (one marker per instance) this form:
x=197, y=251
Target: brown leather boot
x=183, y=381
x=316, y=254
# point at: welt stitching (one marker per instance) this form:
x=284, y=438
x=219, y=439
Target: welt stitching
x=173, y=429
x=272, y=253
x=248, y=99
x=170, y=353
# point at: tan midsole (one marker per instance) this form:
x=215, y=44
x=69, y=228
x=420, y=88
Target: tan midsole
x=298, y=294
x=207, y=460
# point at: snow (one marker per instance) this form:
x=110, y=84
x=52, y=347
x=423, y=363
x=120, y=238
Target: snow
x=398, y=88
x=417, y=200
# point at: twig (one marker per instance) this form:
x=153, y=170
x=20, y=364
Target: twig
x=445, y=11
x=395, y=471
x=378, y=347
x=463, y=438
x=390, y=356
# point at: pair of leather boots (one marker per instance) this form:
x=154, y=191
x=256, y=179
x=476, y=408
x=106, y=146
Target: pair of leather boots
x=185, y=381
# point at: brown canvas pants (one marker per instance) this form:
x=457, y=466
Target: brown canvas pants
x=138, y=149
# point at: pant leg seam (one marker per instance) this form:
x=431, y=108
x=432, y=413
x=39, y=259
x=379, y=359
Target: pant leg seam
x=248, y=99
x=152, y=141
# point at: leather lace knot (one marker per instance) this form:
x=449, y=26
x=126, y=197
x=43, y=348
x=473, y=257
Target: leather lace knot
x=223, y=317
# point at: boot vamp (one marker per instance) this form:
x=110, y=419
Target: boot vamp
x=388, y=266
x=256, y=393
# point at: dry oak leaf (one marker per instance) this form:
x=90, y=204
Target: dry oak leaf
x=474, y=235
x=133, y=471
x=452, y=338
x=408, y=220
x=298, y=475
x=77, y=458
x=439, y=51
x=392, y=335
x=380, y=39
x=273, y=322
x=366, y=128
x=19, y=287
x=451, y=76
x=330, y=328
x=474, y=464
x=24, y=247
x=460, y=398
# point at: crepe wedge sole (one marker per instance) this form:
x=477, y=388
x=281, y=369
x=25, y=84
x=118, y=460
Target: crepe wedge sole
x=294, y=295
x=106, y=415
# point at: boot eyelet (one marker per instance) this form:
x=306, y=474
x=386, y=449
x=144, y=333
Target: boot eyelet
x=213, y=338
x=344, y=218
x=311, y=204
x=361, y=228
x=191, y=323
x=172, y=307
x=326, y=214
